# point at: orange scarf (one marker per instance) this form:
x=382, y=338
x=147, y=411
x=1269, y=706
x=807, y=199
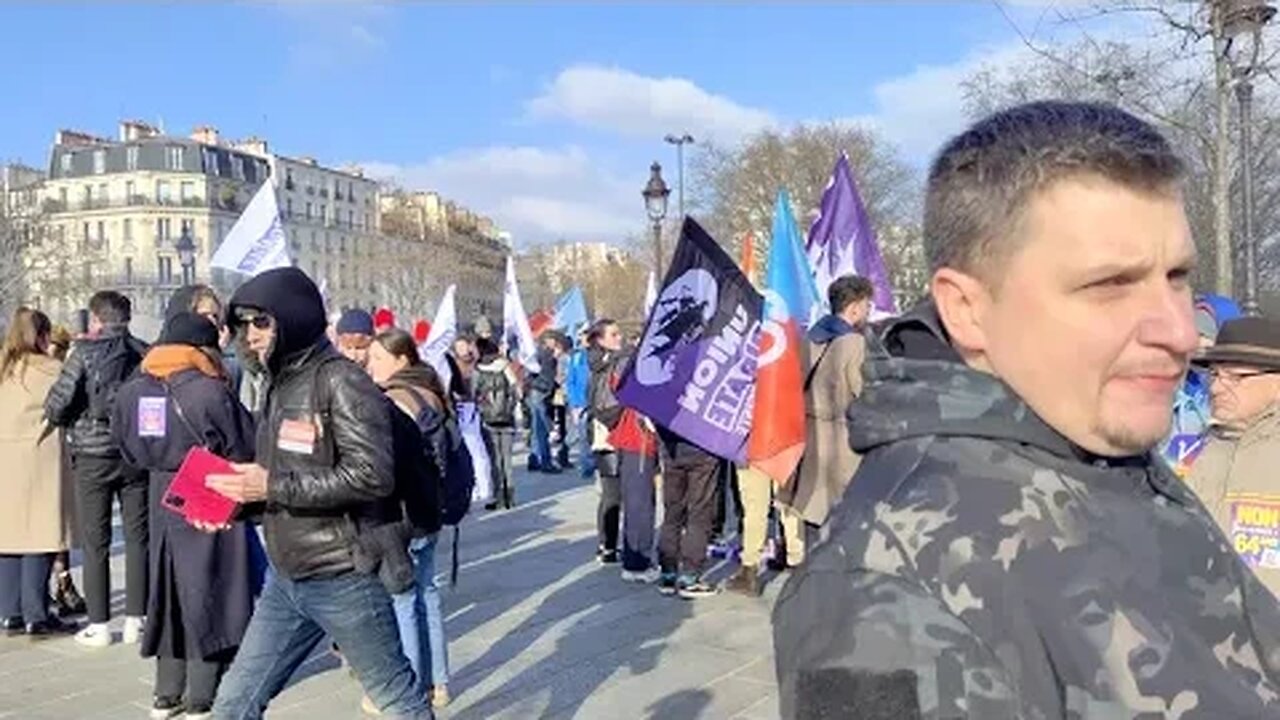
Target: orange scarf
x=164, y=361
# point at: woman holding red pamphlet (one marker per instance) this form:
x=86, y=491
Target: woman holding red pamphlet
x=203, y=584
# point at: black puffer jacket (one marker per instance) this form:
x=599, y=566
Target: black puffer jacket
x=331, y=470
x=67, y=405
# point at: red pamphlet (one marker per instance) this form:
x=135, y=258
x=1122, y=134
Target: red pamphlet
x=188, y=496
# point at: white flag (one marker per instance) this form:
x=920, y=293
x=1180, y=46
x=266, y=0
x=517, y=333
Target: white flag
x=515, y=324
x=256, y=243
x=650, y=294
x=444, y=330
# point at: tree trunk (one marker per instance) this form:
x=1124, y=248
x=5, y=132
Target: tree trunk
x=1221, y=177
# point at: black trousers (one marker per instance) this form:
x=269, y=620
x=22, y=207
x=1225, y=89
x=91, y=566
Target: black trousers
x=689, y=492
x=99, y=481
x=24, y=586
x=609, y=511
x=195, y=680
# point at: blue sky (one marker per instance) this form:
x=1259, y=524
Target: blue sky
x=543, y=116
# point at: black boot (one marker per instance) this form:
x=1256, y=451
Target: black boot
x=67, y=600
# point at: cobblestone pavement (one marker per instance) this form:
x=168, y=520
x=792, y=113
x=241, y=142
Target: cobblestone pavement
x=537, y=630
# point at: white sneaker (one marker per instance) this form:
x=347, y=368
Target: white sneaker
x=95, y=635
x=646, y=577
x=133, y=630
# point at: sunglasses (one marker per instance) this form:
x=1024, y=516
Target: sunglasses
x=258, y=320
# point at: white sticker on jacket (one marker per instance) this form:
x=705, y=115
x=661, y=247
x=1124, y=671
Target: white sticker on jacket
x=297, y=436
x=152, y=416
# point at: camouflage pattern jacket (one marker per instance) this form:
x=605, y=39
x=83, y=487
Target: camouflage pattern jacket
x=982, y=566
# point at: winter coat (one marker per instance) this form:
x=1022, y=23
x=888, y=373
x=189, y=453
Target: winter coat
x=203, y=585
x=68, y=402
x=37, y=498
x=544, y=381
x=982, y=566
x=625, y=429
x=1235, y=477
x=497, y=370
x=324, y=436
x=578, y=379
x=835, y=354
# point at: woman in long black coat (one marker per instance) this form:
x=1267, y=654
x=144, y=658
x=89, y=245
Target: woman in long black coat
x=203, y=584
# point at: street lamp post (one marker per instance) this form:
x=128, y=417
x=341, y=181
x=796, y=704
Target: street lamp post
x=679, y=141
x=186, y=249
x=1242, y=22
x=655, y=195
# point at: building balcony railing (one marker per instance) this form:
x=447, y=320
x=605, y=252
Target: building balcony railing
x=51, y=206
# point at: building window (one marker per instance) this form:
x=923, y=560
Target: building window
x=165, y=269
x=85, y=237
x=163, y=230
x=62, y=197
x=103, y=196
x=315, y=244
x=128, y=271
x=237, y=167
x=127, y=230
x=324, y=213
x=66, y=161
x=87, y=274
x=186, y=191
x=308, y=211
x=188, y=227
x=210, y=161
x=288, y=179
x=162, y=192
x=288, y=205
x=86, y=197
x=351, y=192
x=351, y=219
x=130, y=192
x=131, y=158
x=175, y=157
x=342, y=244
x=315, y=271
x=99, y=162
x=102, y=231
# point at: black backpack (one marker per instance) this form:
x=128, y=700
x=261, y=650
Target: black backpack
x=418, y=480
x=118, y=361
x=496, y=398
x=448, y=455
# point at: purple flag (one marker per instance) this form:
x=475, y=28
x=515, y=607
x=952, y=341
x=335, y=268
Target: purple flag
x=841, y=241
x=695, y=370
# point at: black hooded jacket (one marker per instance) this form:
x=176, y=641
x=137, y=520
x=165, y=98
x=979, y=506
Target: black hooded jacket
x=67, y=405
x=324, y=435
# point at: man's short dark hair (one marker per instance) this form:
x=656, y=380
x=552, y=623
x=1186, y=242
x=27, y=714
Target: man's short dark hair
x=597, y=330
x=847, y=290
x=111, y=308
x=983, y=180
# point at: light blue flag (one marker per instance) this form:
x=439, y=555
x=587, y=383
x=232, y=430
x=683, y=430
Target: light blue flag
x=571, y=312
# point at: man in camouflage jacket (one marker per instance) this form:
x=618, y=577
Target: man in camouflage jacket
x=1010, y=547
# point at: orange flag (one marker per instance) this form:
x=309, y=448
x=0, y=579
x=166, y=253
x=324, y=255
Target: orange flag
x=749, y=257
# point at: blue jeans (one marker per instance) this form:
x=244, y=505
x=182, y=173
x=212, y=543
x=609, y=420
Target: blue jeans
x=539, y=431
x=420, y=620
x=291, y=619
x=582, y=429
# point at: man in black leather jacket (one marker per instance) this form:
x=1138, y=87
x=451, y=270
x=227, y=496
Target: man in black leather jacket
x=325, y=472
x=80, y=401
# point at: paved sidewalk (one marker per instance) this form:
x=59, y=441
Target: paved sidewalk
x=537, y=630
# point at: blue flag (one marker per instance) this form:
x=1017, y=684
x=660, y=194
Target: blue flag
x=570, y=312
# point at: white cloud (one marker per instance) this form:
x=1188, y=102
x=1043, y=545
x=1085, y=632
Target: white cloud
x=537, y=194
x=637, y=105
x=922, y=109
x=333, y=33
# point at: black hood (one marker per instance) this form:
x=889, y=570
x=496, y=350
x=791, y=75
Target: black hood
x=289, y=296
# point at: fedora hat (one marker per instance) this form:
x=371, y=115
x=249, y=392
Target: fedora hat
x=1251, y=341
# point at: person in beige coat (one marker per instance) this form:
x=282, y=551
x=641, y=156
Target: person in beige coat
x=1235, y=475
x=835, y=353
x=36, y=498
